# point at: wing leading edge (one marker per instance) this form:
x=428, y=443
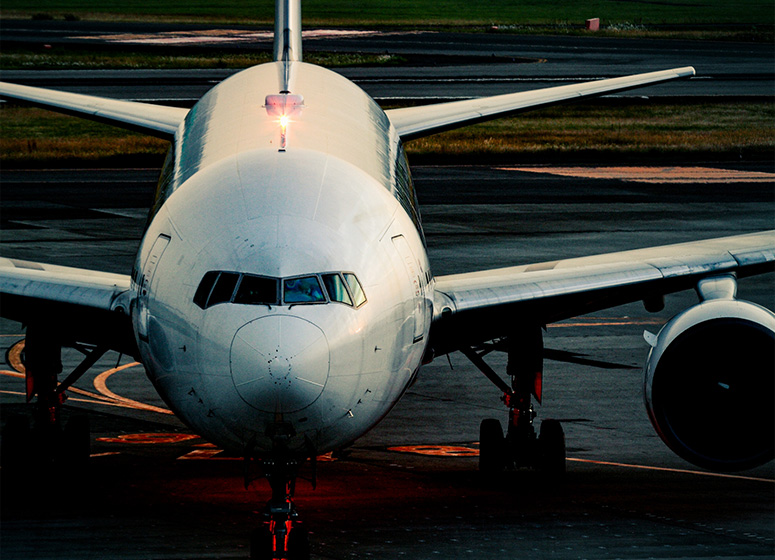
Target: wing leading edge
x=416, y=122
x=156, y=120
x=87, y=306
x=474, y=307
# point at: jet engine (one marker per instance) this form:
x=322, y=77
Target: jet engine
x=710, y=384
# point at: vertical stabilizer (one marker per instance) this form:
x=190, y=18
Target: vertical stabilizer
x=287, y=31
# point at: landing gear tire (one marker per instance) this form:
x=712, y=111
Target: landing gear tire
x=551, y=449
x=491, y=447
x=263, y=547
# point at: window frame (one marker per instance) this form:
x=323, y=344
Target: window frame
x=363, y=292
x=248, y=275
x=340, y=276
x=204, y=301
x=300, y=276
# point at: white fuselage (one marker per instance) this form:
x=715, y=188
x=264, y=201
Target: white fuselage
x=331, y=200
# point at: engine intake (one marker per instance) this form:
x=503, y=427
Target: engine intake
x=710, y=384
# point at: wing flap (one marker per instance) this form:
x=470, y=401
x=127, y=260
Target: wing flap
x=416, y=122
x=156, y=120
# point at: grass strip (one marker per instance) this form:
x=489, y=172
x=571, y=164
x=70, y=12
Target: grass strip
x=32, y=137
x=83, y=59
x=406, y=12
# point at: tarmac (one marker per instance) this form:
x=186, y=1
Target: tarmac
x=410, y=488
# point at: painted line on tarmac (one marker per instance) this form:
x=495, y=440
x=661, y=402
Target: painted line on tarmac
x=106, y=396
x=654, y=174
x=220, y=36
x=667, y=469
x=100, y=383
x=465, y=451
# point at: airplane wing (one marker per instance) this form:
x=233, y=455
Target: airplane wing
x=88, y=306
x=417, y=122
x=156, y=120
x=475, y=307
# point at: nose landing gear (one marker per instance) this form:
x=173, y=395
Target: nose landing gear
x=282, y=536
x=520, y=447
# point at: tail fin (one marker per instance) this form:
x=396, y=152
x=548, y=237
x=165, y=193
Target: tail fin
x=287, y=31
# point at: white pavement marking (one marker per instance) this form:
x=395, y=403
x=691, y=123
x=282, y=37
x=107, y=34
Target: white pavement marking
x=655, y=174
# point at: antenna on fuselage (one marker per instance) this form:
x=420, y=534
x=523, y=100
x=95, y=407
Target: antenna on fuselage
x=287, y=36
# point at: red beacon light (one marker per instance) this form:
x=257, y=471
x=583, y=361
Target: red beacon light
x=284, y=106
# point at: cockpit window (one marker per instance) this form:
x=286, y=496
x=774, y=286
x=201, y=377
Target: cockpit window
x=249, y=289
x=336, y=289
x=303, y=290
x=223, y=289
x=205, y=287
x=355, y=289
x=257, y=290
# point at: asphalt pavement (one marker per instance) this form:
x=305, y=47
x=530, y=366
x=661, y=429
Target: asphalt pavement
x=410, y=488
x=440, y=65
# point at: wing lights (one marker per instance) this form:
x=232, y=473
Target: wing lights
x=284, y=106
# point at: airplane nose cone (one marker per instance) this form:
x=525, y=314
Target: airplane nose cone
x=279, y=364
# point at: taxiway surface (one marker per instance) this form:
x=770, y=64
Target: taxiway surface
x=410, y=488
x=439, y=64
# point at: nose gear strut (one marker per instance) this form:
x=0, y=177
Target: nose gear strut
x=282, y=536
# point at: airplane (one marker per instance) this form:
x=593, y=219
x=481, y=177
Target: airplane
x=282, y=301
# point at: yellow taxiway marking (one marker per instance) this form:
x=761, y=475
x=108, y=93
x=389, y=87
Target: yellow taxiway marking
x=655, y=174
x=667, y=469
x=465, y=451
x=106, y=396
x=437, y=450
x=100, y=385
x=149, y=438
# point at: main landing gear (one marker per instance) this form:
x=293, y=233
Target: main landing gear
x=34, y=449
x=282, y=535
x=520, y=446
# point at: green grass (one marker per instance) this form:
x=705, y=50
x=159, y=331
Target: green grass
x=411, y=12
x=34, y=137
x=61, y=59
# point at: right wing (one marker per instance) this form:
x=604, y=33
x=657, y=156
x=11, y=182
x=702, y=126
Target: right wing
x=474, y=307
x=87, y=306
x=156, y=120
x=417, y=122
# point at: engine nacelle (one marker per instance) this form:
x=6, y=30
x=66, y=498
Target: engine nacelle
x=710, y=384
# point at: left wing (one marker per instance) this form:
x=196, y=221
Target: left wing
x=416, y=122
x=479, y=306
x=88, y=306
x=156, y=120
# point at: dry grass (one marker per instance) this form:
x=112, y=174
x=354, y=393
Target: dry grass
x=726, y=129
x=31, y=137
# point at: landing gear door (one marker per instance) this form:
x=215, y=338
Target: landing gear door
x=418, y=285
x=147, y=273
